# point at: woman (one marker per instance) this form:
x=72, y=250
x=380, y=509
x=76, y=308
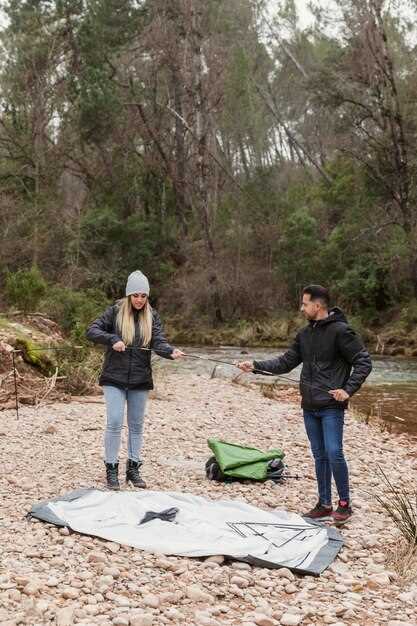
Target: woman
x=130, y=329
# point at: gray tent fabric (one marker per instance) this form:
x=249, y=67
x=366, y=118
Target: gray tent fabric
x=202, y=527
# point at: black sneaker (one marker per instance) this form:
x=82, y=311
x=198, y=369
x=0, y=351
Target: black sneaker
x=320, y=513
x=342, y=513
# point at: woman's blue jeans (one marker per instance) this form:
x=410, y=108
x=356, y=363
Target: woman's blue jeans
x=325, y=431
x=116, y=399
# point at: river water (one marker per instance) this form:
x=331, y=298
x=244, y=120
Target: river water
x=389, y=394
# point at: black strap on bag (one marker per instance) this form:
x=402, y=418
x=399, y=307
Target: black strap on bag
x=275, y=471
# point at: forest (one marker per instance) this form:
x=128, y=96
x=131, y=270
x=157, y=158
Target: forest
x=225, y=151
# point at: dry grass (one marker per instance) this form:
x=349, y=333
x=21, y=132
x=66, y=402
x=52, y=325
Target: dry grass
x=400, y=503
x=402, y=559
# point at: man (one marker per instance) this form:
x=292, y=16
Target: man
x=335, y=365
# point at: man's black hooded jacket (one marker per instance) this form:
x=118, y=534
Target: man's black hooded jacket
x=333, y=357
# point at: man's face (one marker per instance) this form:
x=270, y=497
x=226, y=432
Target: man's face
x=310, y=308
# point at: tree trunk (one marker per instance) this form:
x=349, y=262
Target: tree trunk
x=202, y=132
x=180, y=196
x=392, y=110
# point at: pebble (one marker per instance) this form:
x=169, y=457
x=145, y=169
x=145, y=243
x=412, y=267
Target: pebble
x=97, y=557
x=291, y=619
x=219, y=559
x=202, y=619
x=121, y=601
x=173, y=613
x=114, y=572
x=15, y=595
x=113, y=547
x=152, y=601
x=239, y=582
x=284, y=572
x=197, y=594
x=378, y=580
x=69, y=593
x=410, y=597
x=32, y=588
x=145, y=619
x=261, y=619
x=241, y=565
x=265, y=583
x=65, y=616
x=170, y=597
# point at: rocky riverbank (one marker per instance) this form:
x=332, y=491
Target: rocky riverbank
x=48, y=576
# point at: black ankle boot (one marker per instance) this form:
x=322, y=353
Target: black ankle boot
x=132, y=474
x=112, y=471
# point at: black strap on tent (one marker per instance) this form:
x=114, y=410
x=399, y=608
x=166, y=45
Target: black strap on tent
x=167, y=515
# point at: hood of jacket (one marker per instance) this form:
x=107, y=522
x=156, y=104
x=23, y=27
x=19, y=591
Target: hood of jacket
x=335, y=315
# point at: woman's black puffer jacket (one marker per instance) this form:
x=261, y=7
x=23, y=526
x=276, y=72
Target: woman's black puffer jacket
x=130, y=369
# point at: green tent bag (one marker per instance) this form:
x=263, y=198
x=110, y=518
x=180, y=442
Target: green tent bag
x=242, y=462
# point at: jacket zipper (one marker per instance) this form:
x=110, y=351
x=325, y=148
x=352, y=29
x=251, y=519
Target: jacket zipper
x=313, y=360
x=129, y=368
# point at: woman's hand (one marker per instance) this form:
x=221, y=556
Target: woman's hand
x=246, y=366
x=177, y=354
x=119, y=346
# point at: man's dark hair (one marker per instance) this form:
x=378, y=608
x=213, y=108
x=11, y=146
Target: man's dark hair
x=317, y=292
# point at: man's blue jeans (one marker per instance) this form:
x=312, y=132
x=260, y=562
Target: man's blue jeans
x=325, y=431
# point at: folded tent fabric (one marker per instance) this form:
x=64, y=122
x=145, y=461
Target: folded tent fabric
x=202, y=527
x=243, y=462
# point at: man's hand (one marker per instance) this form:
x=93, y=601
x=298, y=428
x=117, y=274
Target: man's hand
x=119, y=346
x=339, y=394
x=177, y=354
x=246, y=366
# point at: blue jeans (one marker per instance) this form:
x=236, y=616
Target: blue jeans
x=115, y=402
x=325, y=431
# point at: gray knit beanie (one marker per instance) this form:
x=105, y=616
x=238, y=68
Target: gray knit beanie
x=137, y=283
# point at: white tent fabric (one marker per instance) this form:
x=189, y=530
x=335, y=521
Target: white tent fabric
x=202, y=527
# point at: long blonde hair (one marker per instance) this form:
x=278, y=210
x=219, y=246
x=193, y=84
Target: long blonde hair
x=125, y=322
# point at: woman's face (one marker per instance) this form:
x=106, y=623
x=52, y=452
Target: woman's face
x=138, y=300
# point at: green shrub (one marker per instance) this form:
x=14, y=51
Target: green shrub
x=25, y=288
x=74, y=310
x=124, y=244
x=44, y=361
x=408, y=315
x=81, y=369
x=358, y=326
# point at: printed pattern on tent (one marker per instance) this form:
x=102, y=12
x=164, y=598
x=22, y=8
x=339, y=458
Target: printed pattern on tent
x=202, y=527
